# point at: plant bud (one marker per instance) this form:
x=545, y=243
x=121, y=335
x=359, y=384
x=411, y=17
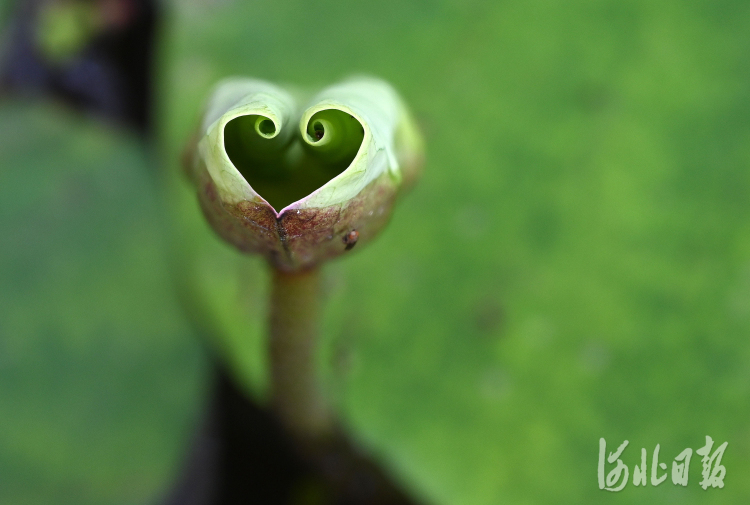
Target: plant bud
x=301, y=195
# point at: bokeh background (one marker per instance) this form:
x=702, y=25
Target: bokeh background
x=575, y=263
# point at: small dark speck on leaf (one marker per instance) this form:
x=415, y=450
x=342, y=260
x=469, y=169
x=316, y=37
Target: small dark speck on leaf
x=350, y=239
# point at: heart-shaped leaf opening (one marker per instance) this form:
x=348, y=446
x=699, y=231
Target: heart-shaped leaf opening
x=284, y=168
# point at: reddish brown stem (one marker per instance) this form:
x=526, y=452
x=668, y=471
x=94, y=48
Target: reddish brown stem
x=294, y=324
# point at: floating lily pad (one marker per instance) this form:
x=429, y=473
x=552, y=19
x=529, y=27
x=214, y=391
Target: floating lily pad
x=100, y=375
x=574, y=263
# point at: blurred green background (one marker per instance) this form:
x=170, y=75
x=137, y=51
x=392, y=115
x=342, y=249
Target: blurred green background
x=575, y=263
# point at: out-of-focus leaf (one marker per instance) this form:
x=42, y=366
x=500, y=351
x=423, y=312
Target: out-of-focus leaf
x=99, y=376
x=574, y=264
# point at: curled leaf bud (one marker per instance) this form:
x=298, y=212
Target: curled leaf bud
x=299, y=196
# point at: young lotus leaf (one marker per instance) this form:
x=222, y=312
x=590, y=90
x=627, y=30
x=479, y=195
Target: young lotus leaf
x=300, y=187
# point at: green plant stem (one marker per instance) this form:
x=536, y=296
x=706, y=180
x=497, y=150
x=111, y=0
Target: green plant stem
x=294, y=324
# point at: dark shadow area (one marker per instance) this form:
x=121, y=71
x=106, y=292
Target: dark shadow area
x=242, y=455
x=104, y=70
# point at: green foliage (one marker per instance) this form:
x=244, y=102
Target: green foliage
x=574, y=263
x=99, y=375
